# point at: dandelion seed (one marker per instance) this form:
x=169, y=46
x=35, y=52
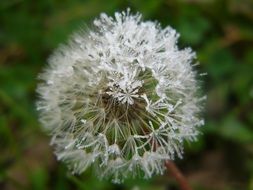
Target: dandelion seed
x=121, y=98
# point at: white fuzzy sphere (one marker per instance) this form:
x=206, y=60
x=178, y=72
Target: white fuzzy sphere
x=121, y=98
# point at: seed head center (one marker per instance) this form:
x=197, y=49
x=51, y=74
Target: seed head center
x=123, y=102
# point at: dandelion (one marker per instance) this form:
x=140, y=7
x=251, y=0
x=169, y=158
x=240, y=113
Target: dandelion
x=121, y=98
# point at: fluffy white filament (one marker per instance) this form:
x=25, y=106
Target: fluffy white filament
x=121, y=98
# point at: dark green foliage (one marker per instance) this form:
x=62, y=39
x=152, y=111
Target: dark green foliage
x=220, y=31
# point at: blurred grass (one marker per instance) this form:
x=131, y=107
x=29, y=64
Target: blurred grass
x=221, y=31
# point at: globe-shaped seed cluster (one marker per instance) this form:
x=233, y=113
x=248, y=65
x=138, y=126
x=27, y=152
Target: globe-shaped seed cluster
x=121, y=98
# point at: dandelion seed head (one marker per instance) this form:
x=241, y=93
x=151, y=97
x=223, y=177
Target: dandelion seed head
x=121, y=98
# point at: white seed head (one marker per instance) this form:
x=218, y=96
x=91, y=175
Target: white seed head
x=121, y=98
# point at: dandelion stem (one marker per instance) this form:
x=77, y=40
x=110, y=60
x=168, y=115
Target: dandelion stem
x=177, y=174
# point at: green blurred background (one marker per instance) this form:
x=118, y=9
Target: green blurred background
x=220, y=31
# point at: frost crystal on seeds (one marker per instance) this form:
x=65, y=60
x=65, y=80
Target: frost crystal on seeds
x=121, y=98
